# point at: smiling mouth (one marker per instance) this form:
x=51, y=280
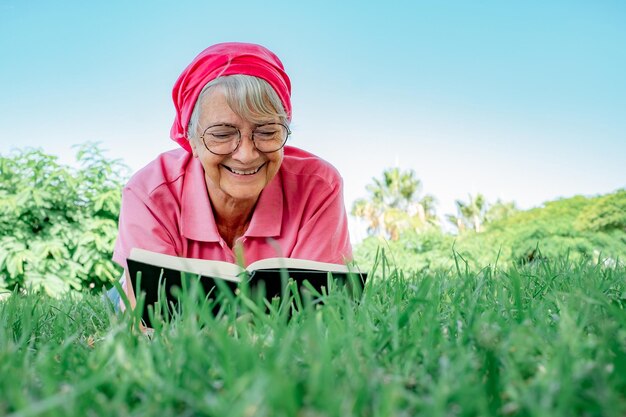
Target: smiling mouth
x=244, y=172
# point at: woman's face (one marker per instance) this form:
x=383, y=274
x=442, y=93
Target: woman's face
x=243, y=174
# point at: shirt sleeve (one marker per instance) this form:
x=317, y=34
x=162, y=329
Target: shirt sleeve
x=141, y=226
x=324, y=235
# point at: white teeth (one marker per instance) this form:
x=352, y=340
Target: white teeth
x=249, y=172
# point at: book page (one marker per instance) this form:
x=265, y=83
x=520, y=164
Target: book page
x=204, y=267
x=292, y=263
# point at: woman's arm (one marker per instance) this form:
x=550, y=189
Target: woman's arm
x=141, y=225
x=324, y=236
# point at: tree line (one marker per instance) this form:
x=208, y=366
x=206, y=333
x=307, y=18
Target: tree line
x=395, y=204
x=404, y=221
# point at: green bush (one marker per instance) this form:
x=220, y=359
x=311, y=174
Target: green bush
x=414, y=252
x=58, y=223
x=562, y=227
x=606, y=214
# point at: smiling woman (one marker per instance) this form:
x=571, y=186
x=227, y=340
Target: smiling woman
x=234, y=187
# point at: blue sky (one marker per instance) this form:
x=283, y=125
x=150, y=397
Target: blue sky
x=521, y=101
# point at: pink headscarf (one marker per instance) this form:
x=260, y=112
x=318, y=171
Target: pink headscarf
x=225, y=59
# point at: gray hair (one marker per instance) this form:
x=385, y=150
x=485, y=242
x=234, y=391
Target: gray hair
x=251, y=98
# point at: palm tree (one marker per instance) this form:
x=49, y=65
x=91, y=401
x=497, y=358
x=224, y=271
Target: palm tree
x=371, y=212
x=470, y=214
x=457, y=221
x=394, y=204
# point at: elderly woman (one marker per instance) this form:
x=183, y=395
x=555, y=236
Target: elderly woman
x=234, y=187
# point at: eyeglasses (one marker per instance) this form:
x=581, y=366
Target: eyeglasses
x=224, y=139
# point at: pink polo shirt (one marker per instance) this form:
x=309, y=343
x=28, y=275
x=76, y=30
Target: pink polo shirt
x=299, y=214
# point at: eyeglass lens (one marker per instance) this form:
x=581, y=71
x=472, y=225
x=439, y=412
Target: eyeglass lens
x=225, y=139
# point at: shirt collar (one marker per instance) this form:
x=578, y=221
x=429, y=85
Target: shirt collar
x=198, y=220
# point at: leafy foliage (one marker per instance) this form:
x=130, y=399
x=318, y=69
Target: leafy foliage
x=500, y=210
x=578, y=227
x=58, y=223
x=471, y=214
x=413, y=252
x=552, y=231
x=394, y=204
x=606, y=214
x=474, y=214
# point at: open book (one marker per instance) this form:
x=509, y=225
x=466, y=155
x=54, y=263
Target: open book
x=170, y=271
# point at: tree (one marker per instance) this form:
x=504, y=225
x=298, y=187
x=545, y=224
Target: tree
x=606, y=214
x=394, y=204
x=470, y=215
x=58, y=223
x=500, y=210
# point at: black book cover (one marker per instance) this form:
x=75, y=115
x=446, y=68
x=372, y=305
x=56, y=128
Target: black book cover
x=157, y=280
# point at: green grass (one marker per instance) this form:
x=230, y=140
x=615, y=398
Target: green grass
x=543, y=340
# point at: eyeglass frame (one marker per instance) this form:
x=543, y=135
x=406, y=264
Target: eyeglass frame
x=239, y=140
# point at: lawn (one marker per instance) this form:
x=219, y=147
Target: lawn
x=547, y=339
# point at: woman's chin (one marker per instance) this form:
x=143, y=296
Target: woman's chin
x=246, y=191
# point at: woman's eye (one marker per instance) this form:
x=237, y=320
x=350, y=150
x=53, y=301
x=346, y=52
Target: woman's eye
x=223, y=135
x=265, y=134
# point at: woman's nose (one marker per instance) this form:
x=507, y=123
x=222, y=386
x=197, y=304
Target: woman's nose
x=246, y=152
